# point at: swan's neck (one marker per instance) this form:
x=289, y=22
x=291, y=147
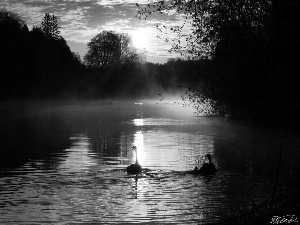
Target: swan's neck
x=136, y=159
x=209, y=160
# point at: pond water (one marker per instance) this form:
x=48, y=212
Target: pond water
x=65, y=163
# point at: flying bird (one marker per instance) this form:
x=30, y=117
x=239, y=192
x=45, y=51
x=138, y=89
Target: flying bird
x=161, y=97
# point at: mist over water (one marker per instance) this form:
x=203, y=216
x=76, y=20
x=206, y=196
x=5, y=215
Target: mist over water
x=65, y=163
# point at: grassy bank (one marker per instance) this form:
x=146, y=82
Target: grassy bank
x=283, y=209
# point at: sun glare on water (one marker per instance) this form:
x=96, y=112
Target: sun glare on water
x=140, y=38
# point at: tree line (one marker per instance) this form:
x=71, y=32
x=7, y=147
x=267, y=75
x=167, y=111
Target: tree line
x=242, y=59
x=38, y=64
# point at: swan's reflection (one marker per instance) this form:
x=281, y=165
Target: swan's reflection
x=140, y=185
x=79, y=156
x=139, y=143
x=136, y=186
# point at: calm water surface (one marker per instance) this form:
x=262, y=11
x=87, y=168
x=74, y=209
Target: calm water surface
x=64, y=163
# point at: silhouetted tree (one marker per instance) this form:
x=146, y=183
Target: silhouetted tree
x=103, y=50
x=129, y=54
x=15, y=60
x=55, y=28
x=33, y=65
x=50, y=26
x=46, y=25
x=11, y=18
x=209, y=19
x=109, y=49
x=252, y=47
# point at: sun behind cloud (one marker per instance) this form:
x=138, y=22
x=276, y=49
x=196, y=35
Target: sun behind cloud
x=140, y=38
x=80, y=21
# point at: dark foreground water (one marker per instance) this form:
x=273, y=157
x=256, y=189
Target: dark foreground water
x=64, y=163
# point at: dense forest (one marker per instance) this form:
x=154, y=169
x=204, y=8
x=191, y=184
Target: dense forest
x=251, y=70
x=33, y=63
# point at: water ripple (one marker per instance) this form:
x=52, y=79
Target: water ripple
x=84, y=181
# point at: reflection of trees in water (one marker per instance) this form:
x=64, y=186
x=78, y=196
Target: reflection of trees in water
x=32, y=138
x=254, y=151
x=111, y=139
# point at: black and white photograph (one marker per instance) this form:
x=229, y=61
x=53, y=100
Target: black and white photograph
x=150, y=112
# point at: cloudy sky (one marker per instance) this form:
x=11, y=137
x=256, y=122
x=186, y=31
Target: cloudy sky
x=81, y=20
